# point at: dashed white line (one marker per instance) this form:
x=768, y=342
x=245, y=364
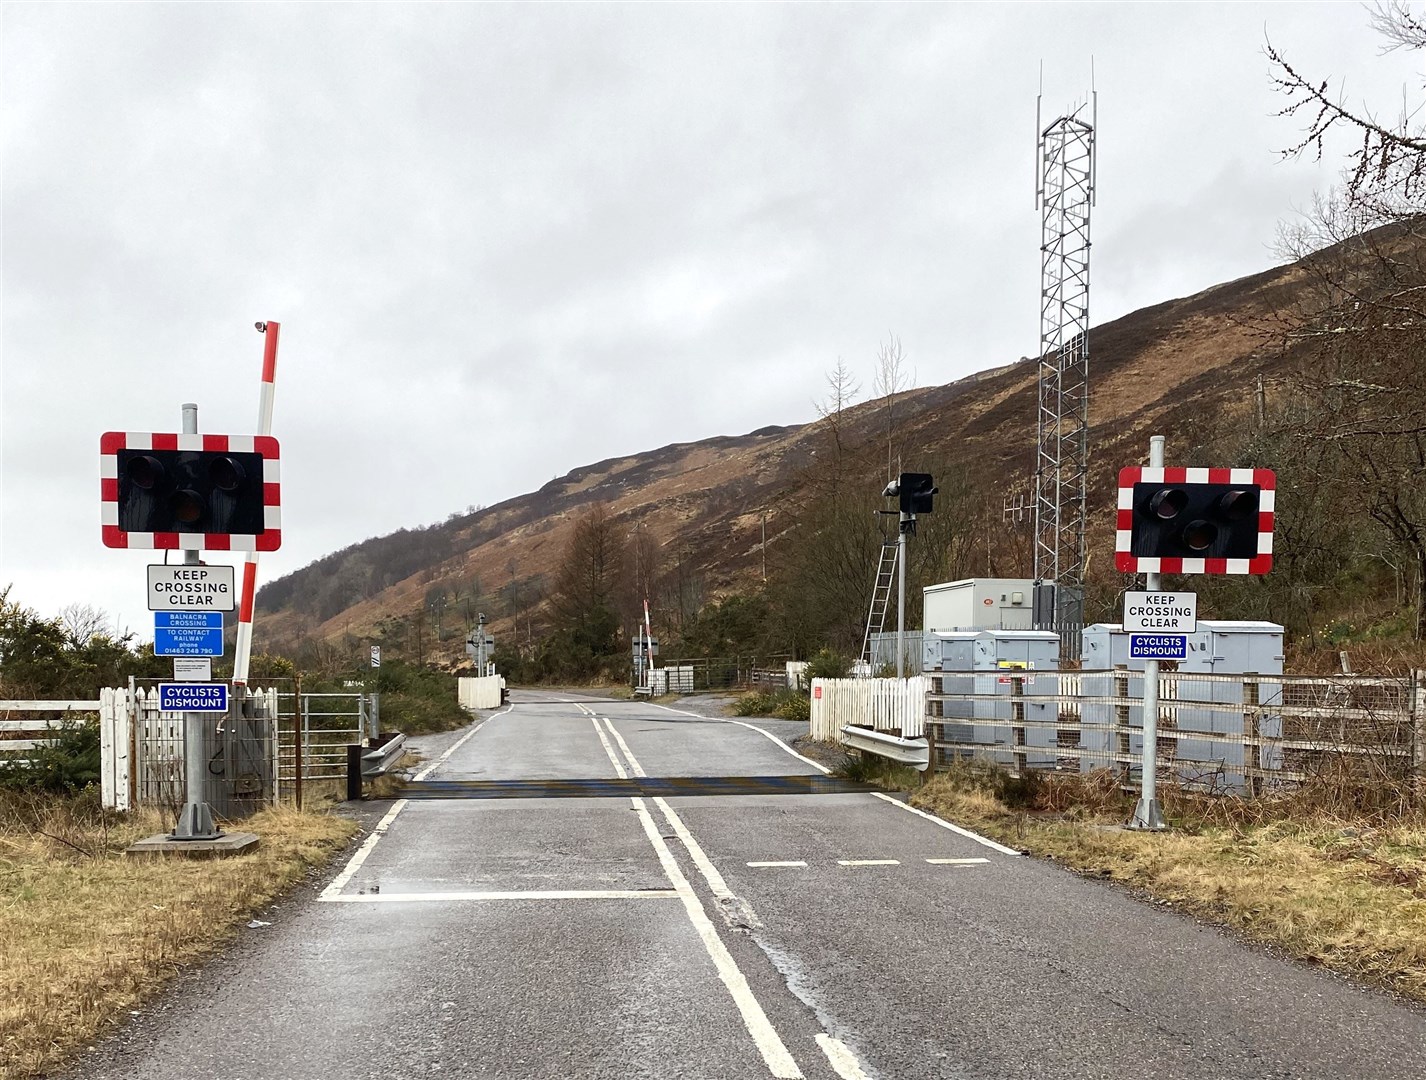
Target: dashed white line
x=843, y=1061
x=789, y=862
x=947, y=825
x=956, y=862
x=868, y=862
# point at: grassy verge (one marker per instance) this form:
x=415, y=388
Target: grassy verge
x=1350, y=895
x=87, y=933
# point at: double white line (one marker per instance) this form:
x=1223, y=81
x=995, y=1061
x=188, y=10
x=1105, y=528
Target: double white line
x=774, y=1051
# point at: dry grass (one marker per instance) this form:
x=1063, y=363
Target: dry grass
x=1350, y=896
x=87, y=934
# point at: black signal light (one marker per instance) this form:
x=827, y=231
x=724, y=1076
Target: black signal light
x=1195, y=521
x=190, y=491
x=915, y=492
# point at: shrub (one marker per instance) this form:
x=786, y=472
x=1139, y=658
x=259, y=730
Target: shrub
x=828, y=665
x=68, y=764
x=783, y=704
x=793, y=706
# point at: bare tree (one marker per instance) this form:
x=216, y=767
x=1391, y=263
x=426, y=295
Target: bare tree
x=1362, y=344
x=82, y=621
x=1388, y=167
x=892, y=378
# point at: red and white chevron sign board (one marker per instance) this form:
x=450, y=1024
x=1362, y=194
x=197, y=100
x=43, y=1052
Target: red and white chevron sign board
x=111, y=442
x=1261, y=563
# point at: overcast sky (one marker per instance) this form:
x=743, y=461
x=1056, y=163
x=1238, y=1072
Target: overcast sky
x=506, y=241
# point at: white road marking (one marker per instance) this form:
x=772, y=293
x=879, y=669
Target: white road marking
x=790, y=862
x=751, y=727
x=947, y=825
x=608, y=748
x=700, y=859
x=868, y=862
x=546, y=894
x=634, y=765
x=956, y=862
x=429, y=769
x=844, y=1062
x=354, y=864
x=774, y=1052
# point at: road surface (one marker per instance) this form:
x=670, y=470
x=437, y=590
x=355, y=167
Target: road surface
x=580, y=888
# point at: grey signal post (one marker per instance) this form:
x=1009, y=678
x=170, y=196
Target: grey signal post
x=905, y=523
x=1148, y=814
x=196, y=820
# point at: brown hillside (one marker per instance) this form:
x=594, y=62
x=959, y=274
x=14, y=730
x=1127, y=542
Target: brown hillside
x=1161, y=369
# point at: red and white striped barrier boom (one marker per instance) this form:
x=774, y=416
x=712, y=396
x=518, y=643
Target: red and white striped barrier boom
x=243, y=651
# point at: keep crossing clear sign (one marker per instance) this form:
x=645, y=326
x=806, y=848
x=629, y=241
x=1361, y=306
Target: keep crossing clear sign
x=1161, y=612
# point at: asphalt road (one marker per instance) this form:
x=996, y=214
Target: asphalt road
x=828, y=935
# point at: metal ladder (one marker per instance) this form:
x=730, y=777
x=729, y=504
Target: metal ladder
x=880, y=596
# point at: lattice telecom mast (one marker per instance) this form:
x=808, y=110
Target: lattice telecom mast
x=1064, y=192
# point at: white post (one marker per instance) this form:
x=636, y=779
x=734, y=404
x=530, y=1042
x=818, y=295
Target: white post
x=1147, y=814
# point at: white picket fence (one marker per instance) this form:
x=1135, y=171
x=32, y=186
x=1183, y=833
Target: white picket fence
x=481, y=693
x=891, y=705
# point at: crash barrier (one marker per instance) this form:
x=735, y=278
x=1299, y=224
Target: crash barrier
x=1242, y=734
x=481, y=693
x=366, y=762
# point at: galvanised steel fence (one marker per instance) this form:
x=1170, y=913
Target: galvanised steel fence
x=1222, y=733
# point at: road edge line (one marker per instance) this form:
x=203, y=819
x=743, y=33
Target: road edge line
x=751, y=727
x=947, y=825
x=339, y=882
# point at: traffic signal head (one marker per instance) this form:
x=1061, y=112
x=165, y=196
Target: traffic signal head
x=914, y=490
x=1219, y=522
x=212, y=492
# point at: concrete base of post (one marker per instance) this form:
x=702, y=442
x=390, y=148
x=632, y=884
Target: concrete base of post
x=1148, y=816
x=195, y=823
x=233, y=843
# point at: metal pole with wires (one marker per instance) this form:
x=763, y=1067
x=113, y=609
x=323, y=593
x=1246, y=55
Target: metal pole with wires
x=195, y=820
x=1148, y=814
